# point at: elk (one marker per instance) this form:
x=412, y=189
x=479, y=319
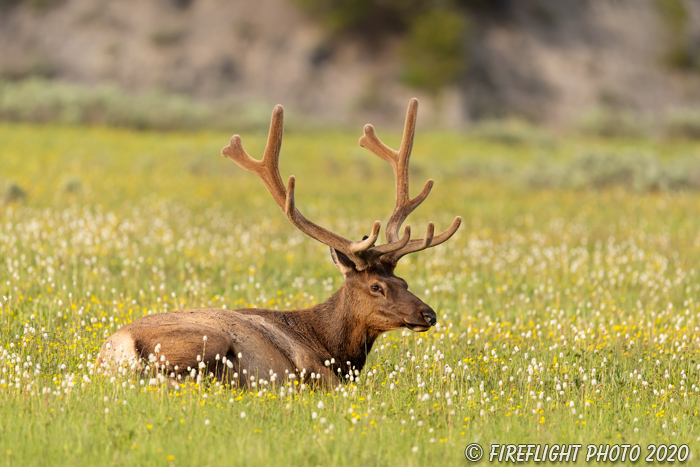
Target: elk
x=253, y=344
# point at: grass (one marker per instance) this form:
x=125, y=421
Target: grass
x=565, y=315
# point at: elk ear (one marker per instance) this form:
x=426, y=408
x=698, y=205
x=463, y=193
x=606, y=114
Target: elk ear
x=342, y=262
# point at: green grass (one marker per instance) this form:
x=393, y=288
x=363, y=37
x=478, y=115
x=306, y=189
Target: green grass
x=566, y=315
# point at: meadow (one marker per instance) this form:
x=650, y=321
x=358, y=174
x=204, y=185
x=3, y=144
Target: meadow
x=567, y=302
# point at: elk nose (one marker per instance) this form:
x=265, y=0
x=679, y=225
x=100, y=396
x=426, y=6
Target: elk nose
x=429, y=315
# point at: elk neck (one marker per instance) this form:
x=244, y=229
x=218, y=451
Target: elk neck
x=340, y=330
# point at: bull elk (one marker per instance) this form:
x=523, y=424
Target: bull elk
x=254, y=344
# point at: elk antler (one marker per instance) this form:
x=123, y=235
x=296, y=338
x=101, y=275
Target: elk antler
x=363, y=253
x=404, y=204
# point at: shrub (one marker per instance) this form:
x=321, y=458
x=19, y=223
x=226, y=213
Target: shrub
x=509, y=132
x=680, y=52
x=14, y=192
x=433, y=51
x=633, y=171
x=611, y=123
x=433, y=48
x=683, y=124
x=44, y=101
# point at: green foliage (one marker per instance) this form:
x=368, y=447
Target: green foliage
x=365, y=16
x=14, y=192
x=510, y=132
x=680, y=53
x=43, y=101
x=631, y=170
x=673, y=12
x=167, y=37
x=434, y=35
x=612, y=123
x=433, y=50
x=683, y=124
x=37, y=6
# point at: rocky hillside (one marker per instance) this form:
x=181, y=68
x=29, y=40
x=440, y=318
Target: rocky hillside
x=546, y=60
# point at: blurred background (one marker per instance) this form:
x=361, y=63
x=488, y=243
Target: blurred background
x=624, y=67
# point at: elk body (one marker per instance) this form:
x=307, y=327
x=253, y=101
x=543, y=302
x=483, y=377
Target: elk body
x=253, y=344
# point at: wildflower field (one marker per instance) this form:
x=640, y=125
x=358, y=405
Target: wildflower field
x=566, y=314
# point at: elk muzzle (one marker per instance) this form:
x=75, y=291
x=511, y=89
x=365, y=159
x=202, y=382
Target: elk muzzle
x=429, y=315
x=426, y=314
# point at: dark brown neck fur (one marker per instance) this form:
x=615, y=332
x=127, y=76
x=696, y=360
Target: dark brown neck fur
x=339, y=331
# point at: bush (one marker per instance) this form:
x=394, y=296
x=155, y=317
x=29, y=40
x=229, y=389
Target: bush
x=610, y=123
x=44, y=101
x=633, y=171
x=433, y=51
x=14, y=193
x=683, y=124
x=681, y=53
x=367, y=17
x=509, y=132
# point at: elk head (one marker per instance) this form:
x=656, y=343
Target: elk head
x=384, y=301
x=378, y=298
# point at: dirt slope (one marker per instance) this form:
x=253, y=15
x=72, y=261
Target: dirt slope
x=549, y=63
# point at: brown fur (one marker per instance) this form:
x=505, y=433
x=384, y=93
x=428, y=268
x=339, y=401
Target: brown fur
x=342, y=328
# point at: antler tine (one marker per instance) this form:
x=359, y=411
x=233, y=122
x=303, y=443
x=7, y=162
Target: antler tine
x=399, y=162
x=424, y=243
x=371, y=141
x=363, y=253
x=267, y=169
x=405, y=205
x=380, y=250
x=349, y=248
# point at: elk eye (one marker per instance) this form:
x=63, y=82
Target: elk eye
x=375, y=288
